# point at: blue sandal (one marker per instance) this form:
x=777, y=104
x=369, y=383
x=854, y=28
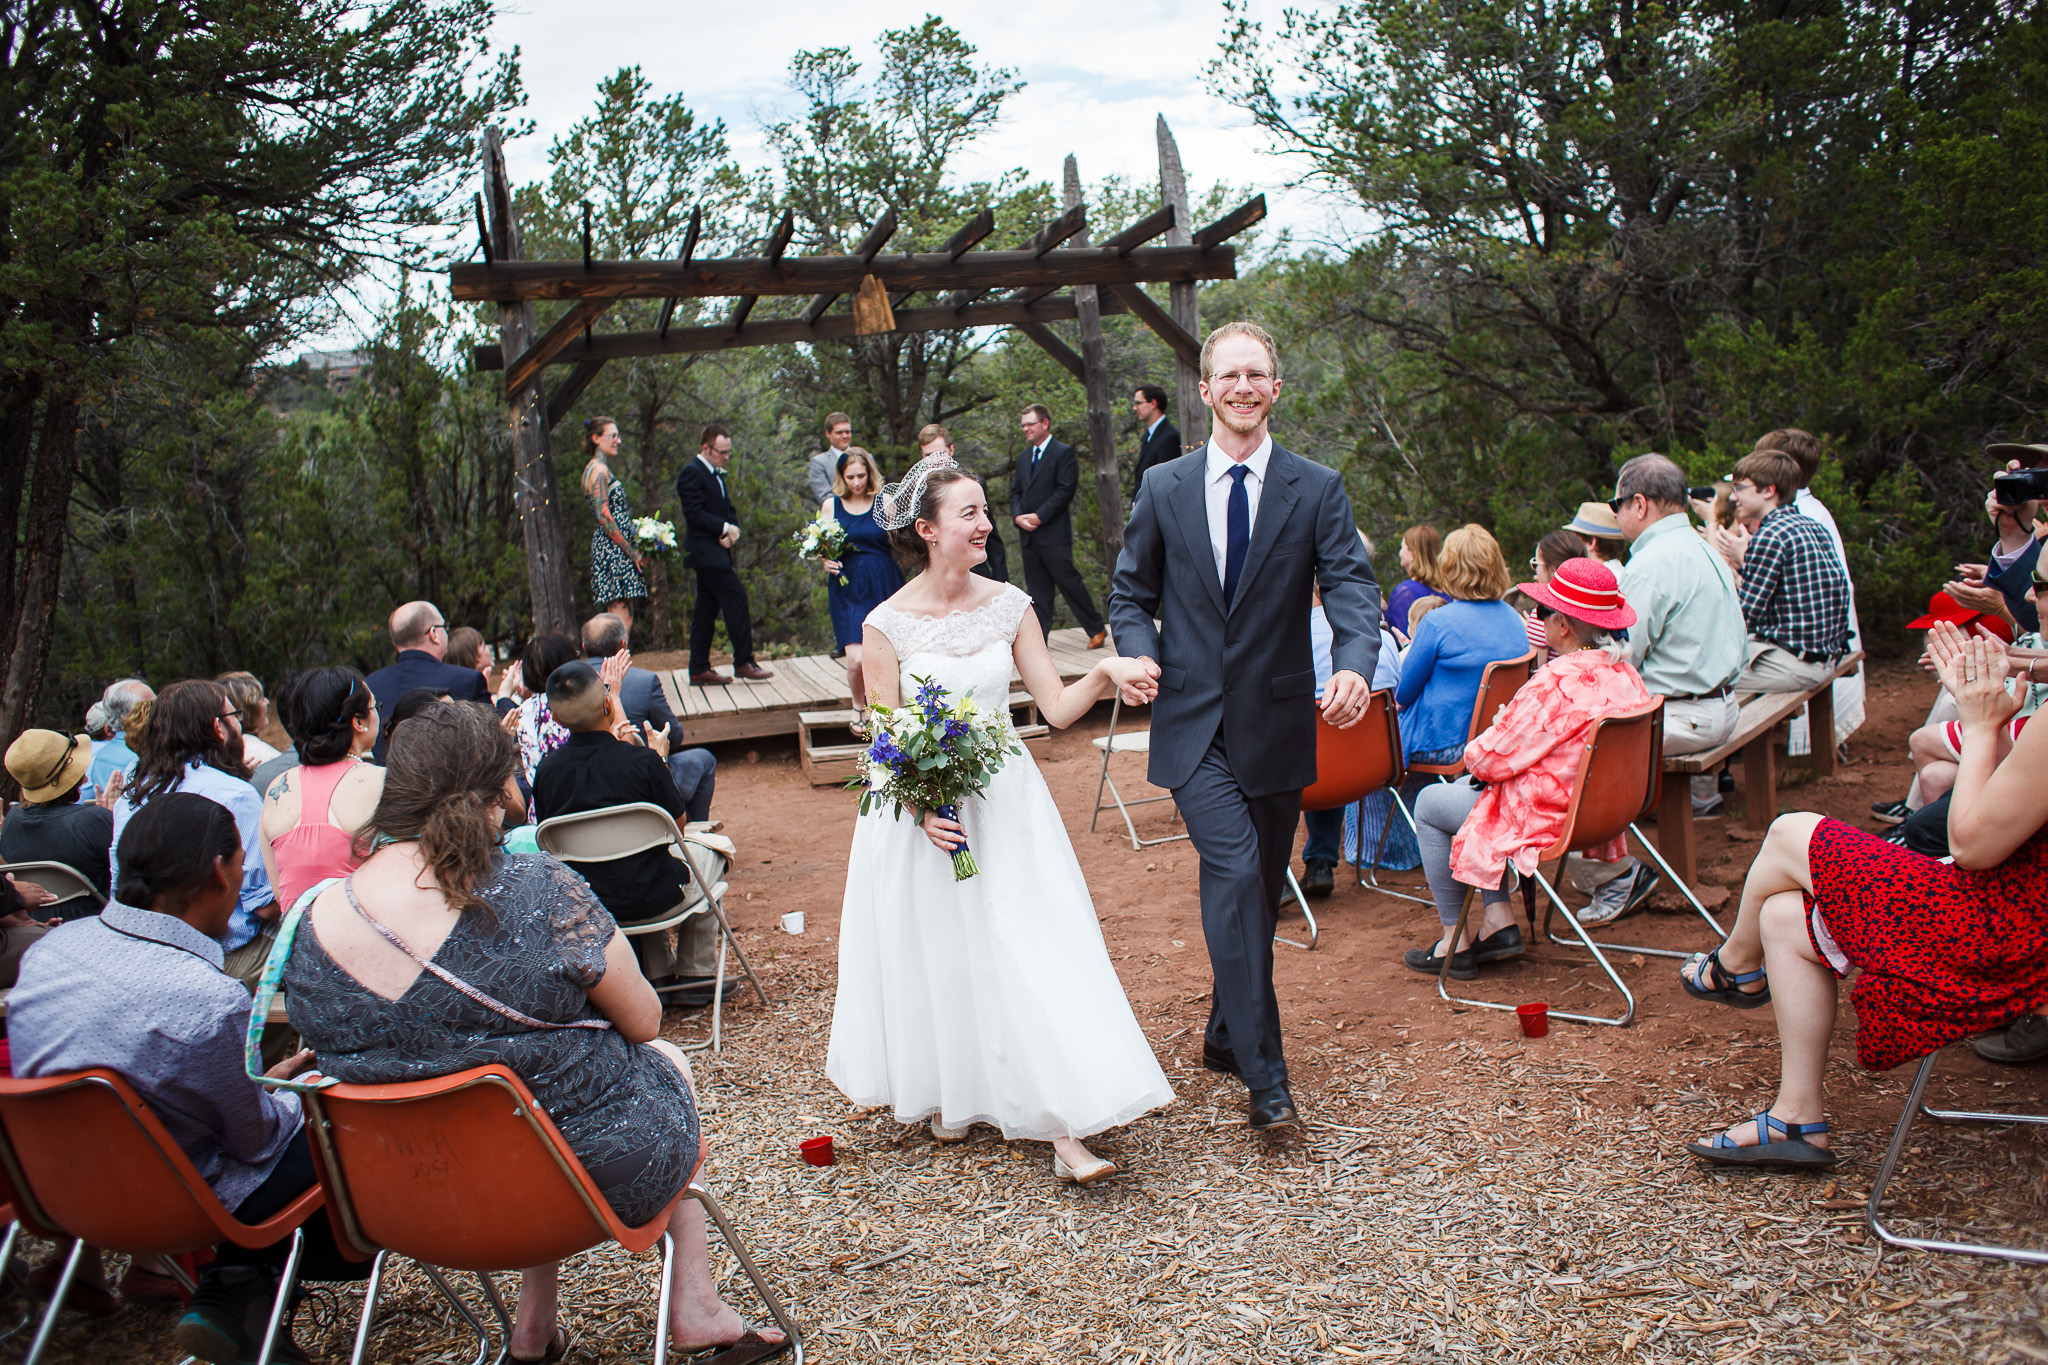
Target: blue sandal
x=1791, y=1150
x=1730, y=991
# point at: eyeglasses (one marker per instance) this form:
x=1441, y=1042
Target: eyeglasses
x=1742, y=486
x=1533, y=565
x=441, y=626
x=235, y=716
x=2039, y=581
x=1235, y=377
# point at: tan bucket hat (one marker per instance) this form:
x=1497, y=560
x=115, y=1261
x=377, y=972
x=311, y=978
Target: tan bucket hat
x=47, y=765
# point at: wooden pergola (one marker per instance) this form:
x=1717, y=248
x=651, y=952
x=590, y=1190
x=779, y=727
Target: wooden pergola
x=1054, y=276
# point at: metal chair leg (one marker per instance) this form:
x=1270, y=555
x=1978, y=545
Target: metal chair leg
x=1914, y=1107
x=280, y=1307
x=49, y=1324
x=662, y=1299
x=1465, y=914
x=1370, y=876
x=461, y=1305
x=6, y=1256
x=361, y=1350
x=738, y=1246
x=498, y=1311
x=1720, y=934
x=1313, y=932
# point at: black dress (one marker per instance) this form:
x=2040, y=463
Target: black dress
x=624, y=1109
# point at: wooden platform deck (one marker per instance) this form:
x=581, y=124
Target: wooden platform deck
x=811, y=682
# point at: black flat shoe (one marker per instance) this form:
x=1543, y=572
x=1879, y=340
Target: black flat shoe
x=1319, y=879
x=1499, y=946
x=2025, y=1039
x=1219, y=1059
x=1463, y=966
x=1273, y=1107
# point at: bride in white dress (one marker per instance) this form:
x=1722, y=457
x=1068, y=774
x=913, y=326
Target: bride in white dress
x=990, y=1000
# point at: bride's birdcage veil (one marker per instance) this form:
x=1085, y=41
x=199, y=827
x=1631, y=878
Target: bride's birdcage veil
x=897, y=506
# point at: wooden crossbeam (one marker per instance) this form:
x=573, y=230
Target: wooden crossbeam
x=695, y=230
x=1231, y=223
x=1044, y=240
x=1184, y=346
x=778, y=242
x=870, y=245
x=1144, y=230
x=510, y=281
x=1054, y=347
x=977, y=228
x=785, y=331
x=570, y=389
x=552, y=342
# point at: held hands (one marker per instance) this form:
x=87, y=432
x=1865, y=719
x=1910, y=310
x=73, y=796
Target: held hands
x=1136, y=680
x=1974, y=670
x=946, y=835
x=656, y=740
x=1345, y=699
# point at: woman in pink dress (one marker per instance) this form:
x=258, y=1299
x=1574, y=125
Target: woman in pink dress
x=1483, y=836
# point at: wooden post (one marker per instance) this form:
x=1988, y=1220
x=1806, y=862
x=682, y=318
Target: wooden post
x=540, y=515
x=1095, y=367
x=1192, y=418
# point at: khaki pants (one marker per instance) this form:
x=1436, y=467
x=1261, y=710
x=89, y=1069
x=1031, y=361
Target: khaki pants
x=688, y=950
x=1772, y=669
x=245, y=964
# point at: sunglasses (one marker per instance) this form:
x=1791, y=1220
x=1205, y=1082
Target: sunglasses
x=1615, y=505
x=2039, y=581
x=1544, y=613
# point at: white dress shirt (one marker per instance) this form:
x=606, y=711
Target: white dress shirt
x=1216, y=476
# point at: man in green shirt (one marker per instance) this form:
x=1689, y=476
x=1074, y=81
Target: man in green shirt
x=1689, y=643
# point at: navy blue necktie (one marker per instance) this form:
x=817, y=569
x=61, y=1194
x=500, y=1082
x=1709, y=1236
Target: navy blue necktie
x=1237, y=533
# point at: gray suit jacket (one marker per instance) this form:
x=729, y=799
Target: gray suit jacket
x=823, y=468
x=1249, y=670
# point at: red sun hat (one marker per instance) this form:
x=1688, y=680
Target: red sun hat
x=1942, y=607
x=1584, y=589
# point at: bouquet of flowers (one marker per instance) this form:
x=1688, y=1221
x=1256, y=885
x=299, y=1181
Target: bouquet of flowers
x=654, y=536
x=824, y=538
x=931, y=753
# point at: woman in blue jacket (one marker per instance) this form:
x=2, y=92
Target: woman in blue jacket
x=1453, y=644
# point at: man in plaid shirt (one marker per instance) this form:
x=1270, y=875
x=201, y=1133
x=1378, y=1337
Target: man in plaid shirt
x=1795, y=597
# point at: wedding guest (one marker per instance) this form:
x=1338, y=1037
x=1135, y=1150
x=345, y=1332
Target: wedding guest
x=408, y=706
x=52, y=825
x=123, y=701
x=695, y=771
x=1945, y=951
x=1599, y=532
x=1041, y=505
x=711, y=530
x=618, y=571
x=1420, y=545
x=1322, y=848
x=1493, y=822
x=868, y=575
x=1794, y=594
x=1551, y=551
x=140, y=990
x=1161, y=439
x=313, y=813
x=193, y=742
x=245, y=690
x=97, y=727
x=466, y=649
x=21, y=927
x=1805, y=451
x=538, y=733
x=1441, y=673
x=527, y=938
x=824, y=466
x=420, y=636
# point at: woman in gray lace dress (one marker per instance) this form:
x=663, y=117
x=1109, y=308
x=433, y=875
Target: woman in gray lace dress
x=442, y=953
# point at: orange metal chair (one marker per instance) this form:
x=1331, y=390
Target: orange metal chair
x=1351, y=765
x=1617, y=775
x=1497, y=685
x=86, y=1159
x=465, y=1172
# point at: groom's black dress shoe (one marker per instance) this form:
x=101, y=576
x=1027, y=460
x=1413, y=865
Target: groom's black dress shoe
x=1219, y=1059
x=1273, y=1107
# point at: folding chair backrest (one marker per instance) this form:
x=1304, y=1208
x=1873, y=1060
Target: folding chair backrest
x=463, y=1171
x=598, y=836
x=1497, y=686
x=1617, y=774
x=1358, y=761
x=85, y=1158
x=61, y=880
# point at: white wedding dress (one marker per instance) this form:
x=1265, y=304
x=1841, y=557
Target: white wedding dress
x=990, y=1000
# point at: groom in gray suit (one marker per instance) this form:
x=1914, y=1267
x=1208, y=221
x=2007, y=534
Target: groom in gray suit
x=1224, y=547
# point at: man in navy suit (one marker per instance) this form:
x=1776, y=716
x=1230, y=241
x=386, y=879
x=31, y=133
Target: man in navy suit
x=1161, y=441
x=1224, y=548
x=1041, y=503
x=711, y=530
x=421, y=637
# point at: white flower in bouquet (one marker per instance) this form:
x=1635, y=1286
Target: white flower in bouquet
x=654, y=536
x=823, y=538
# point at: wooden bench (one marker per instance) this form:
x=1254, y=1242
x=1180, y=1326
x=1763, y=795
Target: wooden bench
x=1756, y=740
x=830, y=765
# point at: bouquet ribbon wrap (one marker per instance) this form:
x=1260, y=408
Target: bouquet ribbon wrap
x=964, y=865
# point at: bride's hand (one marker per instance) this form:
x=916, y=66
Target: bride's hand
x=946, y=835
x=1136, y=680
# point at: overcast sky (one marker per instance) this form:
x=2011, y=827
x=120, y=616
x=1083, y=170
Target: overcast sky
x=1096, y=76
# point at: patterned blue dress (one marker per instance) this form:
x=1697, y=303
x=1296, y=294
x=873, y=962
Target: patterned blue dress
x=612, y=575
x=870, y=571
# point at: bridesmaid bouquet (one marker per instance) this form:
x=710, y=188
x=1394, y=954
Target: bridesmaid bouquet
x=931, y=753
x=824, y=538
x=654, y=536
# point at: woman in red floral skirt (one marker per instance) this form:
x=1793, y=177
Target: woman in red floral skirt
x=1946, y=951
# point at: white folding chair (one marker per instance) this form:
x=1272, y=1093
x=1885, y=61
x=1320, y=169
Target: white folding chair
x=600, y=836
x=1129, y=742
x=63, y=881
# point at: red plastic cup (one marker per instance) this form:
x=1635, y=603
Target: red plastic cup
x=1534, y=1018
x=818, y=1150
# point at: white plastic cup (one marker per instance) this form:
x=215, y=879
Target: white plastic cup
x=793, y=922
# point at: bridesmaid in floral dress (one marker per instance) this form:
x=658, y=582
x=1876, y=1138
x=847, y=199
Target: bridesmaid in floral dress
x=618, y=572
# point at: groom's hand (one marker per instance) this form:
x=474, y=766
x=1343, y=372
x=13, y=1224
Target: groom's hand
x=1345, y=699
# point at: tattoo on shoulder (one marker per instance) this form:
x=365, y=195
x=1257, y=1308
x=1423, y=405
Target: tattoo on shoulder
x=281, y=786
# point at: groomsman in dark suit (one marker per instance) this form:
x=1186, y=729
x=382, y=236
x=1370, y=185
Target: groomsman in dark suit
x=712, y=529
x=1041, y=498
x=1161, y=441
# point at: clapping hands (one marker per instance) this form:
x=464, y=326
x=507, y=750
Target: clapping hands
x=1973, y=668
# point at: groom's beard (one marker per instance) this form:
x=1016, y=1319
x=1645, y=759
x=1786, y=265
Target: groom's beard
x=1241, y=425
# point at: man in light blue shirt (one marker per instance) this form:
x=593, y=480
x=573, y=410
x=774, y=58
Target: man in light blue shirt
x=120, y=700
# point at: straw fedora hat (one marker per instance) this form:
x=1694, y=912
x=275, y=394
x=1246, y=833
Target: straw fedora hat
x=1595, y=519
x=47, y=764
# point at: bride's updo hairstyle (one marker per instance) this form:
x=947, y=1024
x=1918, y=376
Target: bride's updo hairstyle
x=917, y=499
x=446, y=775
